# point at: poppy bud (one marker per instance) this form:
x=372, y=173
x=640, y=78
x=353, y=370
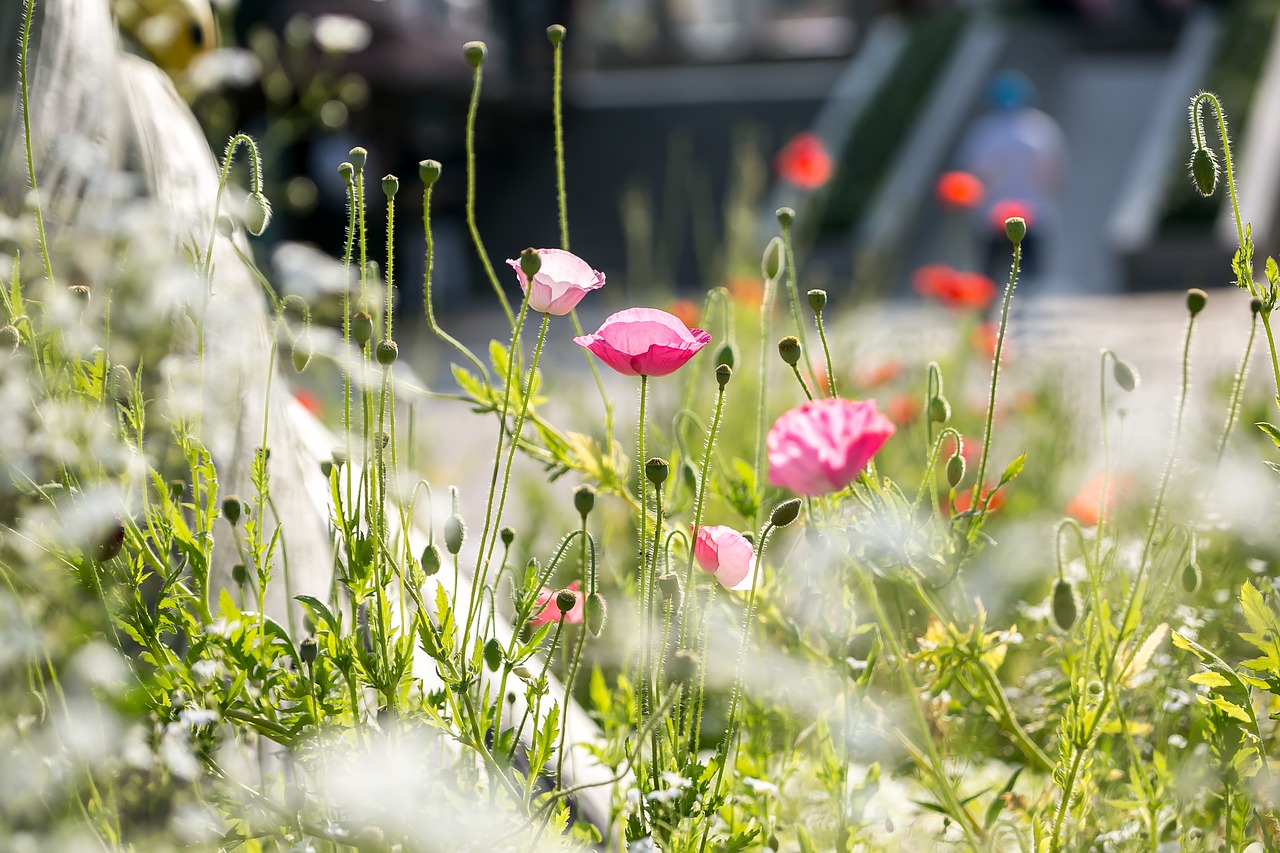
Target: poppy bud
x=955, y=470
x=555, y=33
x=584, y=500
x=390, y=185
x=429, y=171
x=669, y=588
x=817, y=300
x=302, y=351
x=785, y=216
x=727, y=355
x=80, y=291
x=475, y=52
x=326, y=468
x=1015, y=228
x=231, y=509
x=597, y=613
x=1255, y=305
x=1204, y=171
x=431, y=560
x=257, y=215
x=361, y=327
x=176, y=488
x=1196, y=299
x=656, y=470
x=309, y=650
x=386, y=352
x=454, y=531
x=9, y=337
x=1125, y=374
x=1064, y=605
x=785, y=513
x=789, y=349
x=1191, y=576
x=508, y=536
x=723, y=372
x=240, y=574
x=771, y=263
x=111, y=543
x=493, y=654
x=121, y=380
x=566, y=599
x=939, y=409
x=683, y=667
x=358, y=158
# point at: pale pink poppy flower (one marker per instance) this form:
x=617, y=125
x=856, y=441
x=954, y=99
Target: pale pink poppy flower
x=560, y=283
x=726, y=554
x=823, y=445
x=546, y=610
x=644, y=342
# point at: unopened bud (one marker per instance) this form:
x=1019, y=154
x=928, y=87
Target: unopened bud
x=454, y=532
x=1125, y=374
x=1191, y=576
x=683, y=667
x=785, y=513
x=789, y=349
x=386, y=352
x=1015, y=228
x=361, y=327
x=390, y=185
x=431, y=559
x=723, y=372
x=507, y=535
x=656, y=470
x=817, y=300
x=358, y=158
x=112, y=542
x=309, y=650
x=939, y=409
x=555, y=33
x=240, y=574
x=80, y=291
x=669, y=588
x=771, y=263
x=10, y=338
x=1204, y=171
x=302, y=351
x=232, y=507
x=727, y=355
x=176, y=489
x=785, y=216
x=429, y=171
x=1064, y=605
x=584, y=500
x=475, y=52
x=1196, y=299
x=1255, y=305
x=597, y=613
x=955, y=470
x=121, y=382
x=257, y=214
x=530, y=263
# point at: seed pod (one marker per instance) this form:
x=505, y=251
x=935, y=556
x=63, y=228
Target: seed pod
x=10, y=338
x=597, y=613
x=309, y=650
x=346, y=171
x=656, y=470
x=566, y=600
x=475, y=52
x=361, y=327
x=1125, y=374
x=1204, y=171
x=785, y=513
x=530, y=262
x=358, y=158
x=955, y=470
x=789, y=349
x=1015, y=228
x=429, y=171
x=1196, y=299
x=1065, y=607
x=240, y=574
x=1191, y=576
x=431, y=559
x=454, y=532
x=817, y=300
x=669, y=587
x=302, y=352
x=390, y=185
x=231, y=509
x=80, y=291
x=727, y=355
x=555, y=33
x=723, y=373
x=111, y=543
x=584, y=500
x=386, y=352
x=493, y=654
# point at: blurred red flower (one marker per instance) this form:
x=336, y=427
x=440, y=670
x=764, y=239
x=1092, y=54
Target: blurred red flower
x=878, y=374
x=687, y=310
x=902, y=409
x=1007, y=209
x=964, y=500
x=959, y=189
x=953, y=288
x=1083, y=507
x=748, y=291
x=309, y=400
x=804, y=162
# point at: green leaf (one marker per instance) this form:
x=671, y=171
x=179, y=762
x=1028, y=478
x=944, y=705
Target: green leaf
x=1273, y=271
x=321, y=611
x=1012, y=470
x=1272, y=432
x=997, y=804
x=1209, y=678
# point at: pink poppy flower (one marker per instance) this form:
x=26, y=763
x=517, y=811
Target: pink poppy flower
x=823, y=445
x=548, y=611
x=644, y=342
x=725, y=554
x=560, y=284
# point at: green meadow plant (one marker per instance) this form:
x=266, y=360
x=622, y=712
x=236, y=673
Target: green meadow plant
x=789, y=621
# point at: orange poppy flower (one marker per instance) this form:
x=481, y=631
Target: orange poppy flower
x=1083, y=506
x=955, y=289
x=804, y=162
x=902, y=409
x=748, y=291
x=992, y=502
x=883, y=373
x=687, y=310
x=959, y=189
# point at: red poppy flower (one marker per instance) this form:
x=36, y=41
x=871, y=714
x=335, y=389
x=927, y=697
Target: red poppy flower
x=959, y=189
x=1083, y=507
x=309, y=400
x=902, y=409
x=879, y=374
x=804, y=162
x=687, y=310
x=953, y=288
x=748, y=291
x=964, y=500
x=983, y=341
x=1007, y=209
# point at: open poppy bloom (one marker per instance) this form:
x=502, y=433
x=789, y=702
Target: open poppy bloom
x=960, y=189
x=804, y=162
x=560, y=283
x=724, y=553
x=823, y=445
x=546, y=610
x=644, y=342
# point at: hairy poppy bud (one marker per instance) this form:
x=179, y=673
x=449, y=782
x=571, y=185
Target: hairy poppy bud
x=785, y=513
x=454, y=531
x=1196, y=299
x=257, y=214
x=358, y=158
x=683, y=667
x=390, y=185
x=1255, y=305
x=817, y=300
x=955, y=470
x=431, y=559
x=597, y=613
x=1125, y=374
x=656, y=470
x=1064, y=605
x=1015, y=228
x=1191, y=576
x=231, y=509
x=584, y=500
x=386, y=352
x=309, y=650
x=302, y=352
x=10, y=338
x=361, y=327
x=493, y=654
x=80, y=291
x=112, y=542
x=771, y=263
x=669, y=588
x=723, y=372
x=727, y=355
x=475, y=52
x=939, y=409
x=121, y=381
x=789, y=349
x=1204, y=171
x=429, y=171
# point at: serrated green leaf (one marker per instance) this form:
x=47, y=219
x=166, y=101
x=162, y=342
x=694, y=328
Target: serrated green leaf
x=1012, y=470
x=322, y=611
x=1209, y=678
x=1272, y=432
x=1273, y=271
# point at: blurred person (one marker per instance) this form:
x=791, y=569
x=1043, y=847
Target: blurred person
x=1019, y=154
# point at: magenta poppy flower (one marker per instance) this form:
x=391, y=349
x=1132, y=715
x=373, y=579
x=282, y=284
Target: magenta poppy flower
x=548, y=611
x=644, y=342
x=823, y=445
x=560, y=283
x=726, y=554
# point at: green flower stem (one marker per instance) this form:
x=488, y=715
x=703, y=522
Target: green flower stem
x=1106, y=456
x=472, y=109
x=826, y=352
x=795, y=368
x=690, y=603
x=766, y=304
x=1233, y=411
x=995, y=377
x=642, y=694
x=588, y=587
x=346, y=330
x=435, y=327
x=647, y=650
x=794, y=289
x=26, y=137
